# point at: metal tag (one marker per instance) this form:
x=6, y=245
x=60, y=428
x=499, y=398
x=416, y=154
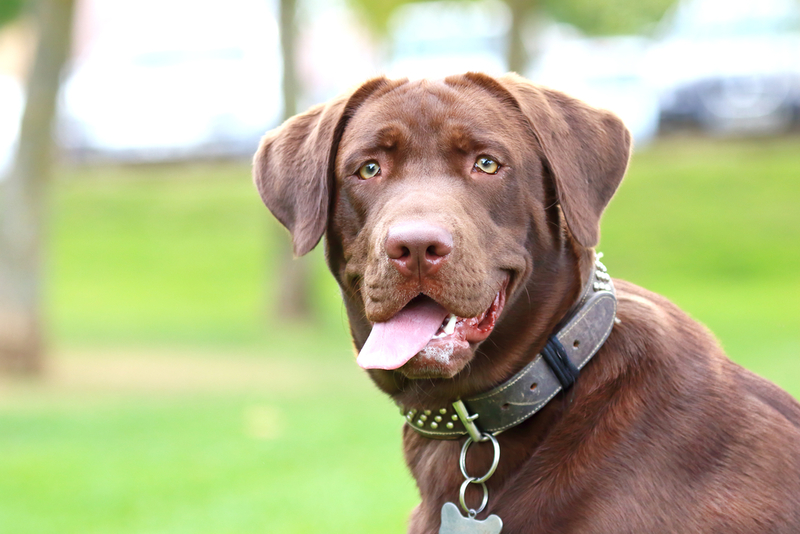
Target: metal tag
x=455, y=523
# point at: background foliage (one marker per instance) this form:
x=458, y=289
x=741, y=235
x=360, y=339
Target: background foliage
x=10, y=9
x=608, y=17
x=598, y=17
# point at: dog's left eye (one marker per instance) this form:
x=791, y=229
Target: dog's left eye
x=369, y=170
x=487, y=165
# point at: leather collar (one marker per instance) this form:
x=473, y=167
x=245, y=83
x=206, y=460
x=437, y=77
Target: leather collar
x=582, y=334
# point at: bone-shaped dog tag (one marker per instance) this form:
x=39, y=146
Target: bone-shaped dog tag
x=455, y=523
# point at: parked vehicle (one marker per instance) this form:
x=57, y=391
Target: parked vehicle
x=729, y=65
x=196, y=80
x=434, y=39
x=605, y=72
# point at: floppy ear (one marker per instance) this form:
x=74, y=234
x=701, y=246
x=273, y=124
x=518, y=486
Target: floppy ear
x=293, y=168
x=586, y=149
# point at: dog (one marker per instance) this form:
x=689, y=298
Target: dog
x=539, y=394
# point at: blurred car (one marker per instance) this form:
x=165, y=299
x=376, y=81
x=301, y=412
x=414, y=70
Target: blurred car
x=605, y=72
x=194, y=80
x=729, y=65
x=12, y=102
x=434, y=39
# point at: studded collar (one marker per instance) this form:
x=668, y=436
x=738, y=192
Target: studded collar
x=528, y=391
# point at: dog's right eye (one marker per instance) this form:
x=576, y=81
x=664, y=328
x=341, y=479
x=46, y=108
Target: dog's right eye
x=369, y=170
x=487, y=165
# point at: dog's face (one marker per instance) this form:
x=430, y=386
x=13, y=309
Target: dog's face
x=431, y=208
x=444, y=202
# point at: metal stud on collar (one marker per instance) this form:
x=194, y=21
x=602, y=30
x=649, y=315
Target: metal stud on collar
x=602, y=280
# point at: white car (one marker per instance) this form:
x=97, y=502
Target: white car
x=729, y=65
x=605, y=72
x=434, y=39
x=197, y=79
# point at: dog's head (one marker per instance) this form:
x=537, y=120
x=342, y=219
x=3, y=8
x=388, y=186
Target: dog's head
x=456, y=212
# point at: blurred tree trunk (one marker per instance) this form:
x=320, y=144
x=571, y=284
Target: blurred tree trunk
x=24, y=193
x=294, y=275
x=520, y=16
x=290, y=84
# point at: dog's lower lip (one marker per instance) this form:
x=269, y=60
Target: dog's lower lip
x=446, y=354
x=472, y=329
x=486, y=324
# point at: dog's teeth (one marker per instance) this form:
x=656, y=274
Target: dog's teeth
x=450, y=327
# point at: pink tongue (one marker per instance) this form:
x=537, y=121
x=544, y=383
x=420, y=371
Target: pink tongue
x=391, y=344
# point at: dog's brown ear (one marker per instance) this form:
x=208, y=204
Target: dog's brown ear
x=294, y=165
x=587, y=151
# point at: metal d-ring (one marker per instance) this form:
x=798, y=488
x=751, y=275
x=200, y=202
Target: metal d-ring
x=463, y=462
x=461, y=492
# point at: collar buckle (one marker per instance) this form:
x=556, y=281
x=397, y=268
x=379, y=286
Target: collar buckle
x=469, y=421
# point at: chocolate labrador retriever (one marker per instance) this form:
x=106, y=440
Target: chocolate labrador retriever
x=461, y=217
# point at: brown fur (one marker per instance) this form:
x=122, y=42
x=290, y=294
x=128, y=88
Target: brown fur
x=661, y=433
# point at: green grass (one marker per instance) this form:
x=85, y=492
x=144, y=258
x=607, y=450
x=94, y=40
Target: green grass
x=157, y=254
x=168, y=255
x=715, y=226
x=257, y=457
x=176, y=402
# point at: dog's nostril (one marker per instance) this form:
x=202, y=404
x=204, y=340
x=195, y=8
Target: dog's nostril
x=397, y=249
x=438, y=250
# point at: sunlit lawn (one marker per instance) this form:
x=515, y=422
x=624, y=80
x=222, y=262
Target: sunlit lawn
x=164, y=443
x=175, y=402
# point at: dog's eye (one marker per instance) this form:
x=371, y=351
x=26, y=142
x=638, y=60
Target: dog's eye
x=487, y=165
x=369, y=170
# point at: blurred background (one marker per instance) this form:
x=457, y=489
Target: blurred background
x=166, y=367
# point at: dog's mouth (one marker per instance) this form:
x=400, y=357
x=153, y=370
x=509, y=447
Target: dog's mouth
x=423, y=338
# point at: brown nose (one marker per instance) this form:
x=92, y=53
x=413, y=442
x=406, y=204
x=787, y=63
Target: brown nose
x=418, y=248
